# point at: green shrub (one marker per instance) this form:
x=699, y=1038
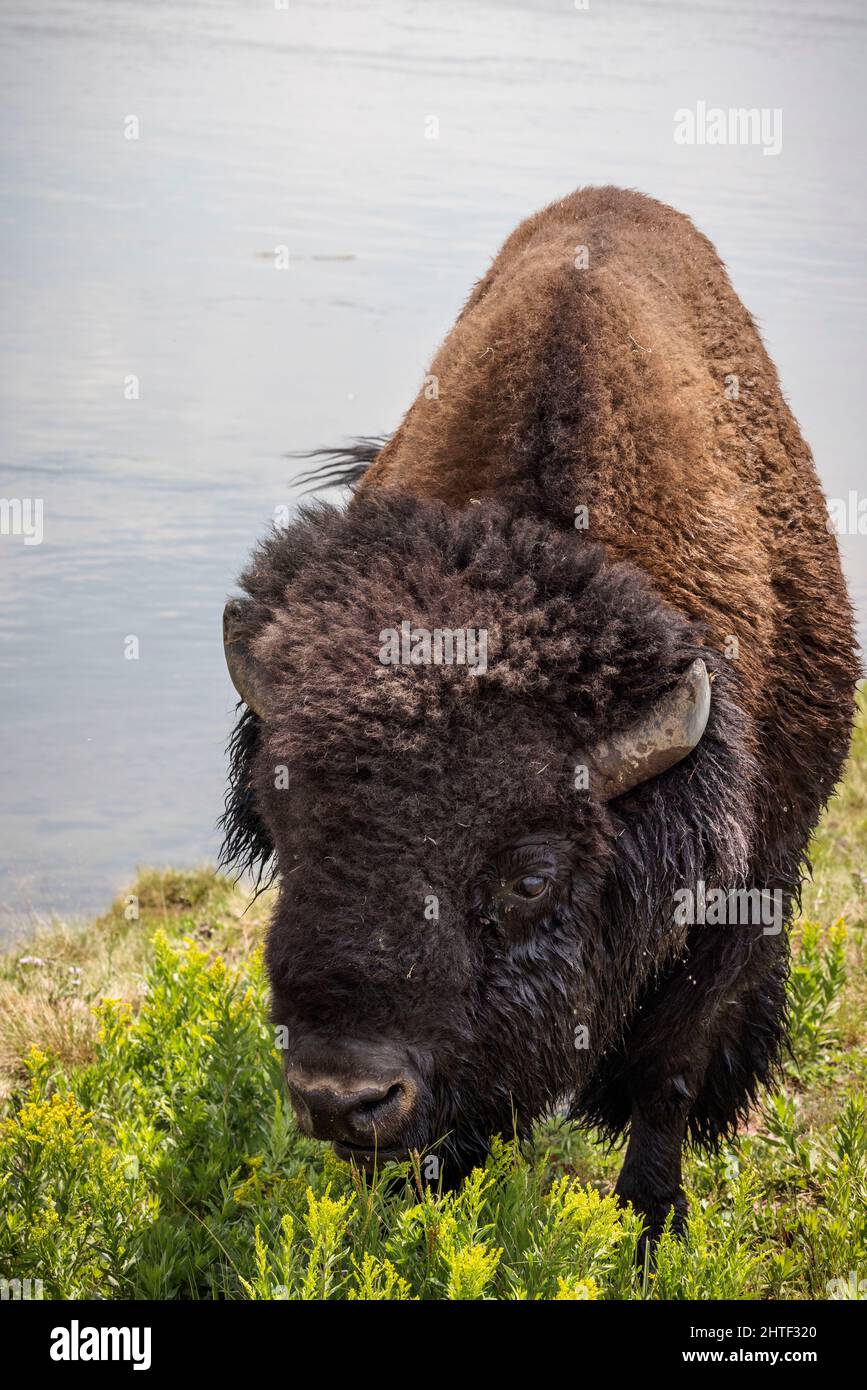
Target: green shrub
x=171, y=1167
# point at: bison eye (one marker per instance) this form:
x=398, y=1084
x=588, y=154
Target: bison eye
x=530, y=886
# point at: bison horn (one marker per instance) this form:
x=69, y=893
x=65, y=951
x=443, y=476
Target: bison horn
x=243, y=669
x=661, y=738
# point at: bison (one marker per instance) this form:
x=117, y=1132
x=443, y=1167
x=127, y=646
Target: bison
x=483, y=866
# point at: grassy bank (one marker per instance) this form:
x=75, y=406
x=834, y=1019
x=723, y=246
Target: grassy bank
x=148, y=1150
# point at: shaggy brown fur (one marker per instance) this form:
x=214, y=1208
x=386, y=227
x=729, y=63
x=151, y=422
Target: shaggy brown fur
x=609, y=388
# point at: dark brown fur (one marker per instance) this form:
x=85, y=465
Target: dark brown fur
x=557, y=388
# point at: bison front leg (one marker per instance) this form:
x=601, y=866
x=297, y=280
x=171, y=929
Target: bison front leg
x=651, y=1177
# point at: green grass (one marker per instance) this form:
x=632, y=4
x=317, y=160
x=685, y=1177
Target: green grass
x=148, y=1150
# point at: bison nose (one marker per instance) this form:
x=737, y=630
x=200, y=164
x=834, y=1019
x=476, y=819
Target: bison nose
x=365, y=1112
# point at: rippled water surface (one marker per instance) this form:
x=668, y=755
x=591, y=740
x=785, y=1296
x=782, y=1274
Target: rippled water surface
x=306, y=127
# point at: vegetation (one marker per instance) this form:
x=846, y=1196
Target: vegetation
x=148, y=1149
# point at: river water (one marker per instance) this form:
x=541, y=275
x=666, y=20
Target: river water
x=157, y=364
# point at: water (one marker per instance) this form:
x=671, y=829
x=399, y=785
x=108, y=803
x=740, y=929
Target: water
x=307, y=128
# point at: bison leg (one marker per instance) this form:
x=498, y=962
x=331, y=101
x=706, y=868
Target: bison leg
x=720, y=1046
x=651, y=1177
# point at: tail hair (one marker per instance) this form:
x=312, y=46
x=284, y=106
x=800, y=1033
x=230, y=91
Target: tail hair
x=341, y=467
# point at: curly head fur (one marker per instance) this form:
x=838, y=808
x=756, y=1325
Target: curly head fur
x=379, y=789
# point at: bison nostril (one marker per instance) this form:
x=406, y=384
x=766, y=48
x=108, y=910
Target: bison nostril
x=378, y=1103
x=363, y=1112
x=375, y=1116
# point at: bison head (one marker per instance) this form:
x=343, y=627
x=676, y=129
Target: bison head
x=471, y=854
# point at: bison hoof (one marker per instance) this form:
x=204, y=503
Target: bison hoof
x=654, y=1211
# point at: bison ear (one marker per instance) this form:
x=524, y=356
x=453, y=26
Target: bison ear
x=664, y=735
x=246, y=674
